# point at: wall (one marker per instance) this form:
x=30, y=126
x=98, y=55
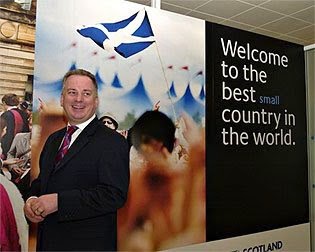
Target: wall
x=310, y=78
x=17, y=41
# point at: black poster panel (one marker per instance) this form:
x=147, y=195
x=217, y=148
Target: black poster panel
x=257, y=175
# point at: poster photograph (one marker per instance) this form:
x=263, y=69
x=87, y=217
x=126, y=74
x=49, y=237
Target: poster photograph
x=139, y=66
x=233, y=175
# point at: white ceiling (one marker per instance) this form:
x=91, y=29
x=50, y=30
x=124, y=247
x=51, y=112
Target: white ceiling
x=290, y=20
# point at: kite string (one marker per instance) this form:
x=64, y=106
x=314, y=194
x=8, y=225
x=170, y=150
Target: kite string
x=166, y=82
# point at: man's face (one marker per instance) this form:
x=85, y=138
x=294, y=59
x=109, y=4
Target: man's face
x=5, y=106
x=79, y=99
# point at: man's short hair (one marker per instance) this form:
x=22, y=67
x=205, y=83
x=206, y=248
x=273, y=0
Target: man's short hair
x=153, y=125
x=10, y=99
x=81, y=72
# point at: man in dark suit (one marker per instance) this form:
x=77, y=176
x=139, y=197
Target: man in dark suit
x=77, y=197
x=15, y=119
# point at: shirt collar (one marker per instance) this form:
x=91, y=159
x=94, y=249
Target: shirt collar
x=81, y=126
x=11, y=107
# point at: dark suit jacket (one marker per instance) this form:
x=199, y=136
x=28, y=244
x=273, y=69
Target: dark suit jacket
x=91, y=181
x=13, y=128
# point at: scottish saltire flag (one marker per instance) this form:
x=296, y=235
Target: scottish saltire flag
x=127, y=37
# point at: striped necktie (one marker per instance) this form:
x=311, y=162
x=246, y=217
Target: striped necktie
x=65, y=144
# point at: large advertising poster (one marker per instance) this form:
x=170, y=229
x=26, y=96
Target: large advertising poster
x=143, y=59
x=257, y=175
x=237, y=177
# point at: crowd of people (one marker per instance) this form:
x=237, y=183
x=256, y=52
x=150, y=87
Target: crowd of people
x=16, y=125
x=15, y=129
x=166, y=201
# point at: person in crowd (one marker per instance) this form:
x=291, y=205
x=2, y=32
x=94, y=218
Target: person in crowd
x=13, y=225
x=80, y=186
x=21, y=149
x=109, y=120
x=21, y=144
x=153, y=132
x=176, y=216
x=26, y=106
x=127, y=133
x=4, y=163
x=16, y=121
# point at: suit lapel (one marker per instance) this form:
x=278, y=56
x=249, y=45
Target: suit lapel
x=78, y=144
x=50, y=161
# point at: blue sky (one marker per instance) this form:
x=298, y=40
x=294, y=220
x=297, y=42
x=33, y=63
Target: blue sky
x=180, y=41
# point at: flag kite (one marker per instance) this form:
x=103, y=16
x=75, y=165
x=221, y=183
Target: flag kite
x=127, y=37
x=184, y=68
x=111, y=57
x=199, y=73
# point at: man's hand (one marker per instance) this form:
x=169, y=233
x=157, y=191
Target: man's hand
x=29, y=213
x=18, y=171
x=12, y=161
x=36, y=209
